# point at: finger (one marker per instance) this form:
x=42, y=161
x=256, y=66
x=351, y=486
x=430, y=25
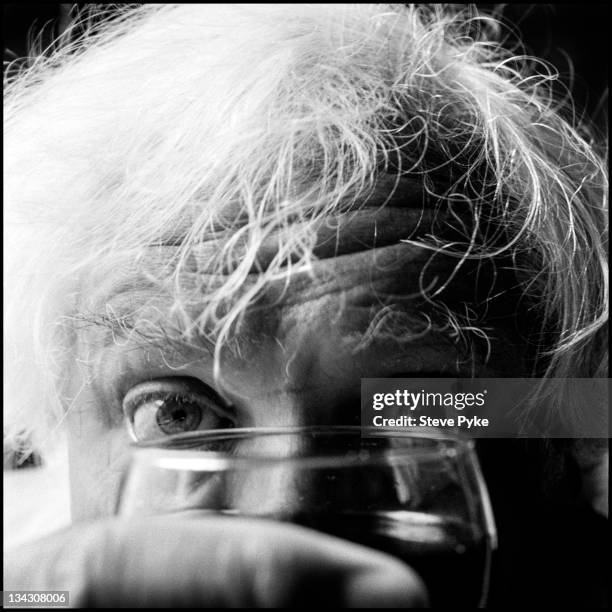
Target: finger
x=222, y=562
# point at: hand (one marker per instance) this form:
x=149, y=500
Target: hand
x=210, y=561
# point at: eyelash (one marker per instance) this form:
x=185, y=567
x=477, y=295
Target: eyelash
x=163, y=395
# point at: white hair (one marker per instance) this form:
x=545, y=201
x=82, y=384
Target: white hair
x=158, y=114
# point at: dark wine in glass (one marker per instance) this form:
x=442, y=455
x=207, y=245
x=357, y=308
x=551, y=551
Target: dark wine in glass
x=420, y=498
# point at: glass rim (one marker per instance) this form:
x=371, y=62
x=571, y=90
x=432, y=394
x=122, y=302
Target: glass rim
x=161, y=449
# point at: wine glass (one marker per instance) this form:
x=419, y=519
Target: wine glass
x=419, y=497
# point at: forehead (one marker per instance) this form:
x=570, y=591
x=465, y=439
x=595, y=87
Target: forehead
x=365, y=274
x=204, y=249
x=369, y=298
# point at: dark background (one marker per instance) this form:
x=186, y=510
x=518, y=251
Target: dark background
x=572, y=37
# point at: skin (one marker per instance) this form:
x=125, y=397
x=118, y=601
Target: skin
x=212, y=562
x=300, y=360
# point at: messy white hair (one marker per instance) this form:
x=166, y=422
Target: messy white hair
x=261, y=121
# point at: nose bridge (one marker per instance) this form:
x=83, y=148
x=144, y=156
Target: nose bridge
x=281, y=479
x=301, y=481
x=297, y=474
x=270, y=482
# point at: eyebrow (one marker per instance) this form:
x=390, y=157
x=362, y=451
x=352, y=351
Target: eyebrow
x=117, y=328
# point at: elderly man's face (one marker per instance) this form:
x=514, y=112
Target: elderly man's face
x=298, y=358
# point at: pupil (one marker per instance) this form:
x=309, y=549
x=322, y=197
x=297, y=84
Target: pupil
x=176, y=416
x=179, y=415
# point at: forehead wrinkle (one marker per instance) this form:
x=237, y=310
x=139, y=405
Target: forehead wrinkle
x=394, y=210
x=127, y=302
x=117, y=293
x=398, y=266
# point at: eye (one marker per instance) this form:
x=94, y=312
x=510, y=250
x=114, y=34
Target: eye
x=168, y=406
